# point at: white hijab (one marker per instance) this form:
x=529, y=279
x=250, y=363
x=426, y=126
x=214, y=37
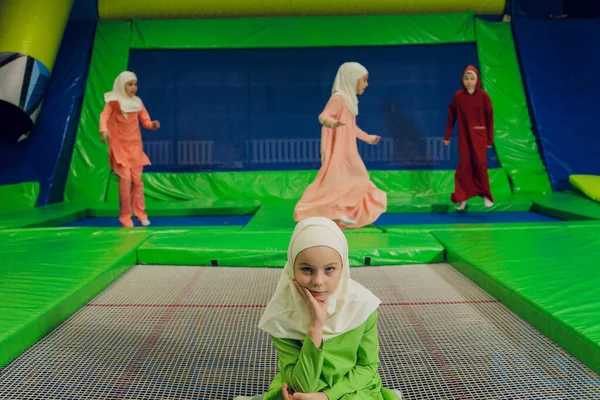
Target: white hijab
x=345, y=84
x=127, y=104
x=286, y=315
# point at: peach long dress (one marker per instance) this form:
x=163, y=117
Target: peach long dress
x=342, y=186
x=127, y=157
x=125, y=143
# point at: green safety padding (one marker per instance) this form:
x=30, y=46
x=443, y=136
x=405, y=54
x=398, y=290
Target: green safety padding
x=515, y=143
x=393, y=249
x=430, y=186
x=442, y=204
x=209, y=186
x=182, y=208
x=567, y=206
x=19, y=197
x=548, y=276
x=434, y=228
x=278, y=215
x=53, y=215
x=46, y=275
x=87, y=179
x=269, y=249
x=302, y=31
x=420, y=187
x=587, y=184
x=206, y=9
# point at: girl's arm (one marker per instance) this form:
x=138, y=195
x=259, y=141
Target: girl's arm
x=105, y=117
x=451, y=119
x=364, y=136
x=364, y=373
x=489, y=120
x=332, y=112
x=145, y=119
x=300, y=363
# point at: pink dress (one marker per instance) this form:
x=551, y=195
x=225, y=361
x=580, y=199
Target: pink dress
x=125, y=143
x=342, y=186
x=127, y=157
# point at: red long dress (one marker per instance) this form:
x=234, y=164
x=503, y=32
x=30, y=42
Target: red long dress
x=475, y=133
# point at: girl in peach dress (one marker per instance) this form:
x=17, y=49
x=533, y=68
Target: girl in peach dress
x=120, y=126
x=342, y=190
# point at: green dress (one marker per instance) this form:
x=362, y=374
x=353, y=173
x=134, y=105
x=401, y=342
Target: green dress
x=345, y=367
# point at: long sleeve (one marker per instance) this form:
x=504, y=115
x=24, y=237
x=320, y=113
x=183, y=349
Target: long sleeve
x=362, y=135
x=300, y=363
x=332, y=111
x=145, y=118
x=364, y=373
x=105, y=117
x=489, y=120
x=451, y=119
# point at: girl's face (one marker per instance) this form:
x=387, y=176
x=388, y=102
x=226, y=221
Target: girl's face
x=470, y=81
x=362, y=84
x=319, y=270
x=131, y=88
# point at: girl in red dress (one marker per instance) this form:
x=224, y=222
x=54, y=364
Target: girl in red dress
x=472, y=107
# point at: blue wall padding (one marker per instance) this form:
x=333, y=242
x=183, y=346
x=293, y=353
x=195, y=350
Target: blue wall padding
x=560, y=63
x=231, y=97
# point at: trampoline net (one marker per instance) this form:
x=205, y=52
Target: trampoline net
x=190, y=333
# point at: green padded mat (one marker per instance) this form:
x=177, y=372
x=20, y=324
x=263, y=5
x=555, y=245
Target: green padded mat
x=514, y=141
x=58, y=214
x=182, y=208
x=48, y=274
x=547, y=276
x=53, y=215
x=269, y=249
x=305, y=31
x=568, y=206
x=417, y=186
x=272, y=216
x=19, y=197
x=275, y=215
x=442, y=204
x=433, y=228
x=278, y=215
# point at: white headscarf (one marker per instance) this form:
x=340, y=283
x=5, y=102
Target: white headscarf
x=127, y=104
x=286, y=315
x=345, y=84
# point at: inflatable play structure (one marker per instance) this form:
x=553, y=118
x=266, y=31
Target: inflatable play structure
x=502, y=301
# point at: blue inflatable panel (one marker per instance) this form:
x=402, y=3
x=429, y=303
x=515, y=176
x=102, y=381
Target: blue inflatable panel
x=560, y=60
x=84, y=10
x=534, y=8
x=238, y=101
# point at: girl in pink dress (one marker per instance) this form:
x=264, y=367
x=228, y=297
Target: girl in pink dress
x=120, y=126
x=342, y=190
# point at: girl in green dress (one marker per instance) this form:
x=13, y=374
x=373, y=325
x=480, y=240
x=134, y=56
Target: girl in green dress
x=322, y=323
